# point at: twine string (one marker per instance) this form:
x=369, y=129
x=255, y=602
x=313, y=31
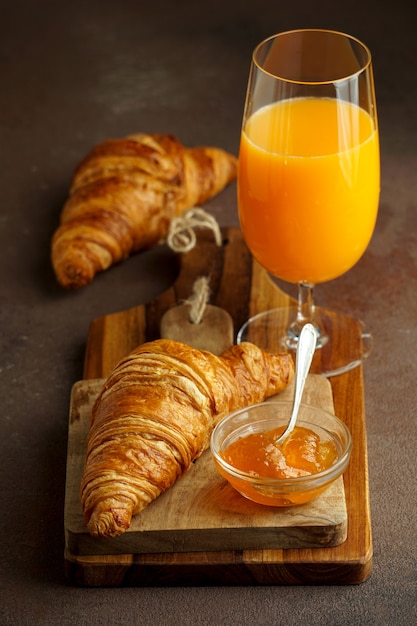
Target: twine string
x=199, y=299
x=181, y=236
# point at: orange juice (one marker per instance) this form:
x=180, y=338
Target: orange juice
x=308, y=187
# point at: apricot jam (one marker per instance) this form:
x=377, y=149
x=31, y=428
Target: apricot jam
x=302, y=453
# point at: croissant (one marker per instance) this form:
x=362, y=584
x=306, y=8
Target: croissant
x=123, y=197
x=154, y=416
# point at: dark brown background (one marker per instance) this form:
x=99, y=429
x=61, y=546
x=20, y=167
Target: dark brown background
x=74, y=73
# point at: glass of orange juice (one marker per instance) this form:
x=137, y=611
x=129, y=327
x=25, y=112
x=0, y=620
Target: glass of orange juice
x=308, y=182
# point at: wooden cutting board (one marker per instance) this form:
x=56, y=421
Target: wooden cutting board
x=266, y=550
x=202, y=512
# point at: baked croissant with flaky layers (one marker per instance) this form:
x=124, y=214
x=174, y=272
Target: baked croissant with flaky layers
x=123, y=197
x=154, y=416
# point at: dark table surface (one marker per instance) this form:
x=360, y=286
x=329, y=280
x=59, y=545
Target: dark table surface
x=74, y=73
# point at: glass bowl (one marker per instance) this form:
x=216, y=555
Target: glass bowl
x=265, y=417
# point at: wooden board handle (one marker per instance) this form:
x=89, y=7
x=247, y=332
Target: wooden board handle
x=237, y=285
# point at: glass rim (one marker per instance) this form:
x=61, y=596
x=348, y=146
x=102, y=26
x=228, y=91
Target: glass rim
x=366, y=65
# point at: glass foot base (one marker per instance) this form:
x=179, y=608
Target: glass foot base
x=343, y=342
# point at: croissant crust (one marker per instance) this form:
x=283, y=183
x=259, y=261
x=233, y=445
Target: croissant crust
x=154, y=417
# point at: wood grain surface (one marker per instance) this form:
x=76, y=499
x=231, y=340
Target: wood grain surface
x=242, y=288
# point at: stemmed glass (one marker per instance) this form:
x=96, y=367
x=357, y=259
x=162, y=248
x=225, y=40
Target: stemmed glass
x=308, y=182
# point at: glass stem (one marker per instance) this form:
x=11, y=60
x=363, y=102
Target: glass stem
x=305, y=311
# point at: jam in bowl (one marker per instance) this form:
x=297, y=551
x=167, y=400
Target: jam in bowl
x=291, y=473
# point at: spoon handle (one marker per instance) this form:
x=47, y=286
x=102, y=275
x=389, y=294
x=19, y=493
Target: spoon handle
x=305, y=351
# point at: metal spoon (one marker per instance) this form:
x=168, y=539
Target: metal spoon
x=305, y=350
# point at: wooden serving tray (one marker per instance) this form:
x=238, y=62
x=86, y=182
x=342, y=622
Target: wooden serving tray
x=246, y=557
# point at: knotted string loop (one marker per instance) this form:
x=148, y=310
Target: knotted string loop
x=181, y=236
